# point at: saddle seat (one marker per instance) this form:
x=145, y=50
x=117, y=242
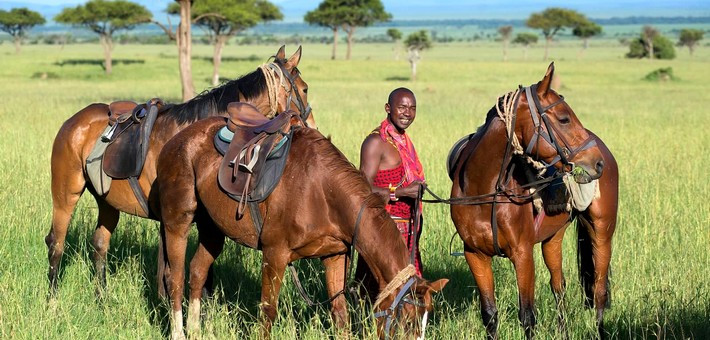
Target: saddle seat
x=256, y=156
x=128, y=136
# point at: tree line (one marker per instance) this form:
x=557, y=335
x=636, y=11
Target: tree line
x=223, y=19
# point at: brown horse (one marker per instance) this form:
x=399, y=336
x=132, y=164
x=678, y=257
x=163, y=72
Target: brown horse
x=78, y=134
x=541, y=127
x=325, y=206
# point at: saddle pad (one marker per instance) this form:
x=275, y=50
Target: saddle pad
x=94, y=166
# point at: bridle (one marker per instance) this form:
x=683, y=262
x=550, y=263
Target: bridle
x=564, y=151
x=279, y=68
x=400, y=299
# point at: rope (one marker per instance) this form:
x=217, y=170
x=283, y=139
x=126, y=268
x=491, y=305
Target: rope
x=506, y=115
x=272, y=86
x=397, y=281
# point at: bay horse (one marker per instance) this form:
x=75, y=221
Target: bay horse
x=324, y=207
x=78, y=134
x=539, y=124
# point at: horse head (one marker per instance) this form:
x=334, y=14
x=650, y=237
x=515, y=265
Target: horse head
x=550, y=132
x=295, y=90
x=407, y=308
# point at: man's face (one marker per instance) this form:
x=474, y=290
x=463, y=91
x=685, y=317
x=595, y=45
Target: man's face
x=402, y=111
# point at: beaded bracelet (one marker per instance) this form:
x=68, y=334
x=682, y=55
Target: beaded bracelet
x=393, y=197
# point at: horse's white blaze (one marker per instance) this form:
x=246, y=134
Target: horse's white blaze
x=425, y=318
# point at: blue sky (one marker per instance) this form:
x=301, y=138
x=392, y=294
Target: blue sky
x=437, y=9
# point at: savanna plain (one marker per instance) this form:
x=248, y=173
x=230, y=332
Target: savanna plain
x=658, y=132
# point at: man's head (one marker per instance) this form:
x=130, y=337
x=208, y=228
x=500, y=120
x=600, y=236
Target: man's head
x=401, y=108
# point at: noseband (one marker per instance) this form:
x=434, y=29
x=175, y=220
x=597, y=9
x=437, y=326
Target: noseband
x=304, y=110
x=391, y=312
x=564, y=153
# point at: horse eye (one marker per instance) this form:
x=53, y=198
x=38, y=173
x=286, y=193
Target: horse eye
x=305, y=90
x=564, y=120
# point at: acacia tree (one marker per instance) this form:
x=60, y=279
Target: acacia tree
x=395, y=35
x=360, y=13
x=222, y=19
x=416, y=42
x=553, y=20
x=526, y=39
x=17, y=22
x=104, y=18
x=183, y=37
x=586, y=30
x=326, y=15
x=649, y=34
x=505, y=32
x=689, y=37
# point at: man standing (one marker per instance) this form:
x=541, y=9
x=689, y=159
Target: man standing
x=391, y=165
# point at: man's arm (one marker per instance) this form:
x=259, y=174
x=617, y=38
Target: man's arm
x=371, y=153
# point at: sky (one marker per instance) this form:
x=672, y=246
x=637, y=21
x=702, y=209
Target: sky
x=437, y=9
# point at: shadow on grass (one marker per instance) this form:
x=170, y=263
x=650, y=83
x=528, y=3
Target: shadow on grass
x=99, y=62
x=397, y=78
x=666, y=324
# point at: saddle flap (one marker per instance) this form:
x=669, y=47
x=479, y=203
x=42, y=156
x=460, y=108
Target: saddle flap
x=129, y=140
x=246, y=160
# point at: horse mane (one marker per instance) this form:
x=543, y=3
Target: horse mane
x=214, y=101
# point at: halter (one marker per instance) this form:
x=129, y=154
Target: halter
x=304, y=110
x=396, y=305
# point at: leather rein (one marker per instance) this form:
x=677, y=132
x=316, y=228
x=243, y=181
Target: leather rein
x=544, y=129
x=304, y=110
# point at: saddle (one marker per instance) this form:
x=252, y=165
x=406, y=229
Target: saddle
x=256, y=156
x=128, y=137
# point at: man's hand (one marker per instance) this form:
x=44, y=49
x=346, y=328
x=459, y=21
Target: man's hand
x=412, y=190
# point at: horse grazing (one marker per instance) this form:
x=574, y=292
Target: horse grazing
x=320, y=207
x=531, y=125
x=79, y=133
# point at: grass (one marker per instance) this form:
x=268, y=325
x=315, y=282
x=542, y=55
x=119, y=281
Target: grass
x=657, y=131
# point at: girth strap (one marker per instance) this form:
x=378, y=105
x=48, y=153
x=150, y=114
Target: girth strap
x=138, y=192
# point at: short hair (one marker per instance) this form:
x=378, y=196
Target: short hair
x=397, y=90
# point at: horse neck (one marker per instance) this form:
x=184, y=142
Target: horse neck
x=379, y=242
x=489, y=150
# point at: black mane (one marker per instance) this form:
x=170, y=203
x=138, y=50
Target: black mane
x=214, y=101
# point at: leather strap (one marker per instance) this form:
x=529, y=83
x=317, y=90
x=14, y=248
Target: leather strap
x=138, y=192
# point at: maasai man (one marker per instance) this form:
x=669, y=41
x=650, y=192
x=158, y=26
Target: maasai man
x=391, y=165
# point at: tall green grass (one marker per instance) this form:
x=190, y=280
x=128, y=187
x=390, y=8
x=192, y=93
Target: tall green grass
x=657, y=131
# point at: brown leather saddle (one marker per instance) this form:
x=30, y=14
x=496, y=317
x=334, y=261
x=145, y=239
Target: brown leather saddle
x=256, y=156
x=128, y=138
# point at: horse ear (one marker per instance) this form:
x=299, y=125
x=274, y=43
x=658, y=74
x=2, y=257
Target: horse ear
x=438, y=285
x=281, y=54
x=544, y=85
x=295, y=59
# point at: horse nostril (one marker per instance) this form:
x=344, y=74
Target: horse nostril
x=600, y=166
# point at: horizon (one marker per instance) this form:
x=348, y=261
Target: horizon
x=294, y=10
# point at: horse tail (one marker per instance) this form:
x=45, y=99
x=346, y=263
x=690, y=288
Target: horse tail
x=585, y=260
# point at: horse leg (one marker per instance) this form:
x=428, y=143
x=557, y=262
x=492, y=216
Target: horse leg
x=480, y=266
x=67, y=187
x=211, y=243
x=522, y=258
x=335, y=271
x=106, y=224
x=552, y=254
x=595, y=233
x=272, y=272
x=163, y=267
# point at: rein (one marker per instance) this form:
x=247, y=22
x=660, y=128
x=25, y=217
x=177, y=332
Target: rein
x=280, y=70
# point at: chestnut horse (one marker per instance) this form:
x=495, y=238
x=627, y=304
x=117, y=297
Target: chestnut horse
x=79, y=133
x=324, y=207
x=542, y=127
